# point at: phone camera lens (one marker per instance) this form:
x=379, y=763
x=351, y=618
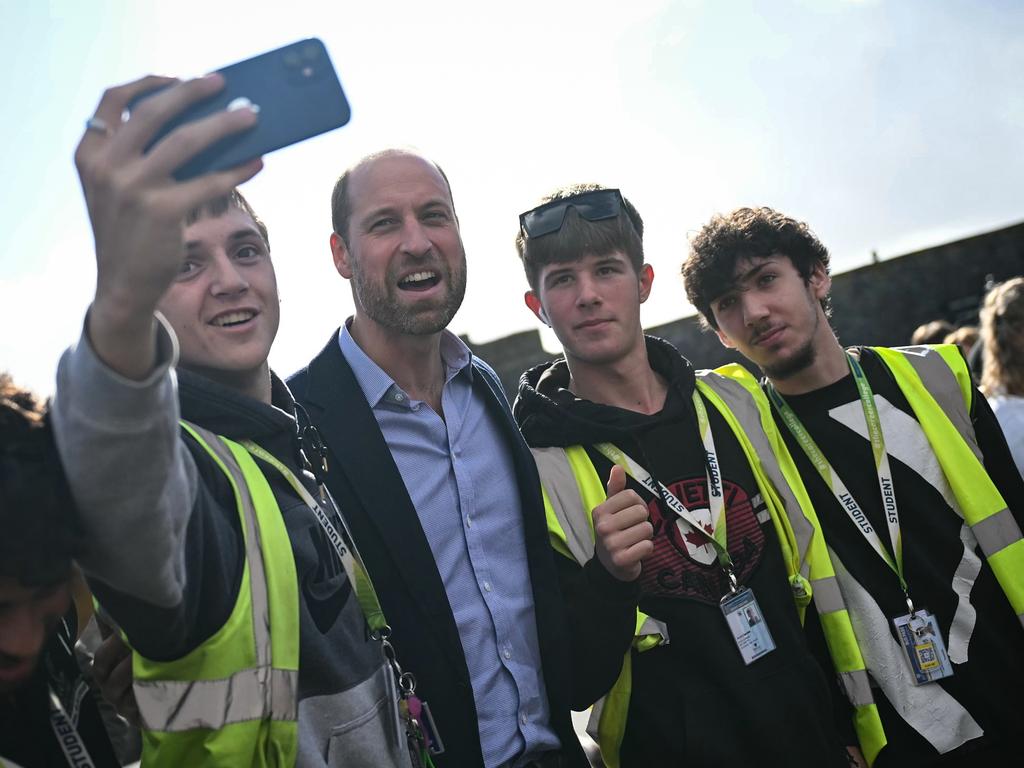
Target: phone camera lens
x=292, y=59
x=310, y=52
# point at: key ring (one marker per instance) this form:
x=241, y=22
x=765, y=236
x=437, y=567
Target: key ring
x=733, y=583
x=910, y=605
x=407, y=682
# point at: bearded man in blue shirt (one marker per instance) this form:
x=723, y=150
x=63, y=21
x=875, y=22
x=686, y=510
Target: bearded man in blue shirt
x=433, y=476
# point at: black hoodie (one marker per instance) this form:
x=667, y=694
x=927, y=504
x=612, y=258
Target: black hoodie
x=693, y=701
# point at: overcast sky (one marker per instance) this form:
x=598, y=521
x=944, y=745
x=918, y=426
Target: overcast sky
x=886, y=125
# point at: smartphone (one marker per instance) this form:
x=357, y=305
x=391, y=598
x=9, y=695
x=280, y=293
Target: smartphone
x=295, y=92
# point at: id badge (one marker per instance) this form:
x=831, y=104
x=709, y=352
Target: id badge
x=923, y=646
x=393, y=699
x=747, y=624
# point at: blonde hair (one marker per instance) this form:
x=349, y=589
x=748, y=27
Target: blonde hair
x=1002, y=332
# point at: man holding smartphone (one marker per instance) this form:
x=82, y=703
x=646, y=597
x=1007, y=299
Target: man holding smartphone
x=441, y=491
x=223, y=561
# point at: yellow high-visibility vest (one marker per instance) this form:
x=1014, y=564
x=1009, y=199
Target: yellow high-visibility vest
x=572, y=489
x=233, y=701
x=937, y=384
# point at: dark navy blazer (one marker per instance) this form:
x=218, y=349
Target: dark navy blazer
x=369, y=490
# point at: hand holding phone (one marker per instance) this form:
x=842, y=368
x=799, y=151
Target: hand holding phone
x=136, y=209
x=294, y=91
x=181, y=147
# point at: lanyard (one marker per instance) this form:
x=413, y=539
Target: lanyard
x=359, y=577
x=838, y=488
x=715, y=530
x=67, y=735
x=349, y=556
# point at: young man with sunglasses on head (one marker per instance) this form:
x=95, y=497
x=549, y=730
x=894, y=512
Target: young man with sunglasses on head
x=678, y=563
x=918, y=504
x=206, y=538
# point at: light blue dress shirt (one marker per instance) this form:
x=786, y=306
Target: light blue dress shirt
x=461, y=478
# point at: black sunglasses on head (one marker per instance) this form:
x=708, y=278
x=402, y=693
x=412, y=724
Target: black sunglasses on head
x=592, y=206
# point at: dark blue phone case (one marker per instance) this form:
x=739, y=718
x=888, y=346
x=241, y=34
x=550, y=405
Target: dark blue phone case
x=298, y=95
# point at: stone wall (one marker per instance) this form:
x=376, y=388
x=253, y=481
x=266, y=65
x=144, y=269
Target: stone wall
x=876, y=304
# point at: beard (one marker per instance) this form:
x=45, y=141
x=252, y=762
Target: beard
x=802, y=359
x=382, y=304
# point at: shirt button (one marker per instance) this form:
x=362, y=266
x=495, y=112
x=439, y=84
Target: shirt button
x=487, y=586
x=507, y=654
x=469, y=521
x=522, y=718
x=399, y=396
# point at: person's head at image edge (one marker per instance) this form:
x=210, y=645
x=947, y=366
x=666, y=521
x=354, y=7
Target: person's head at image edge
x=38, y=535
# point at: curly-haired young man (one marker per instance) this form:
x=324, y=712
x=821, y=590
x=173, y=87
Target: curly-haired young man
x=918, y=504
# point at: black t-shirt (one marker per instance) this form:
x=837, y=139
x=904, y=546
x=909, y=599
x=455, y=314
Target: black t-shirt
x=27, y=728
x=988, y=683
x=694, y=702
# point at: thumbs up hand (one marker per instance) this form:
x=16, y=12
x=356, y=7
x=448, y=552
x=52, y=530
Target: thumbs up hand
x=622, y=531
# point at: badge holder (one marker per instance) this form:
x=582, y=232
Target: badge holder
x=746, y=622
x=416, y=724
x=923, y=647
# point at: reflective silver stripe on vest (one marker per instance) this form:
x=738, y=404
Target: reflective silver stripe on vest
x=942, y=384
x=857, y=685
x=743, y=407
x=172, y=705
x=827, y=596
x=253, y=552
x=966, y=616
x=564, y=493
x=996, y=532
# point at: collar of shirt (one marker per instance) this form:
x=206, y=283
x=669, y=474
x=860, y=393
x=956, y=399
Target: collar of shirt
x=377, y=385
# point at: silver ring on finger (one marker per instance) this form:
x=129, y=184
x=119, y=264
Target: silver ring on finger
x=98, y=124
